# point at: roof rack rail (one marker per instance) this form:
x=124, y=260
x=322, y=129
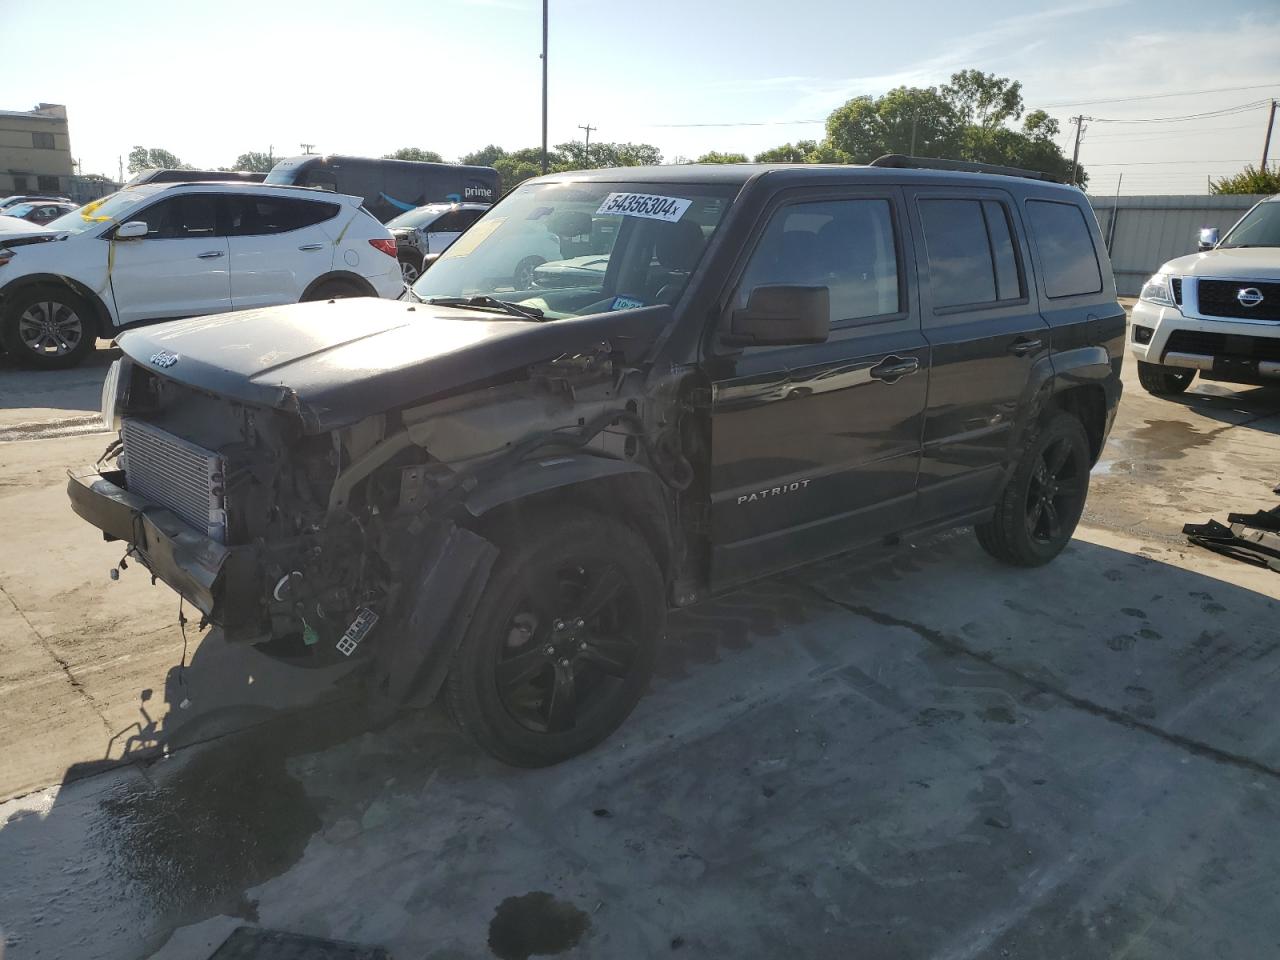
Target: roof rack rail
x=901, y=161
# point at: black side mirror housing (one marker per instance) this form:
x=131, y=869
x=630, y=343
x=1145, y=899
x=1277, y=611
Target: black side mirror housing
x=780, y=314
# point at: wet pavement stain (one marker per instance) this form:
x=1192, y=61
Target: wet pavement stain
x=229, y=818
x=536, y=924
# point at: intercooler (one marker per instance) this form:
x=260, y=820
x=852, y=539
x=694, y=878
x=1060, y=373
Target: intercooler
x=175, y=473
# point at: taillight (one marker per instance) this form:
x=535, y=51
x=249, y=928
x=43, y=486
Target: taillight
x=385, y=244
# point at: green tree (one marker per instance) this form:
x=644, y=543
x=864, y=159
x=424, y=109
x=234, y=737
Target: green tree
x=153, y=158
x=916, y=121
x=797, y=152
x=970, y=118
x=1249, y=180
x=715, y=156
x=484, y=157
x=254, y=162
x=574, y=155
x=414, y=153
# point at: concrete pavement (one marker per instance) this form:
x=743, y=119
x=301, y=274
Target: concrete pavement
x=909, y=753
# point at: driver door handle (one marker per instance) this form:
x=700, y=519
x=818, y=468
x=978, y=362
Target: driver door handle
x=892, y=369
x=210, y=255
x=1025, y=345
x=312, y=246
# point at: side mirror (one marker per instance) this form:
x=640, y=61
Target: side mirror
x=1209, y=238
x=428, y=260
x=781, y=314
x=132, y=230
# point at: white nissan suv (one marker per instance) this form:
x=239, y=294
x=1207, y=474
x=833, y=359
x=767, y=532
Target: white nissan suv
x=1216, y=312
x=168, y=250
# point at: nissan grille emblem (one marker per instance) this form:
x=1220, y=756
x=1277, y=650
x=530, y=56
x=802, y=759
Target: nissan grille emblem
x=1249, y=296
x=166, y=359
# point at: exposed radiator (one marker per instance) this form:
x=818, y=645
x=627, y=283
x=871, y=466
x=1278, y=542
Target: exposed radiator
x=175, y=473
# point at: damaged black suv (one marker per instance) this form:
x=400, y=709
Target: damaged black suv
x=499, y=489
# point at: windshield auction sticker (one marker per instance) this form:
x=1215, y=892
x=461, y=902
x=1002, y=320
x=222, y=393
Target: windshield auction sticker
x=644, y=205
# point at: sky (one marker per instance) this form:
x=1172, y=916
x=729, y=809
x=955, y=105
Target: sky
x=209, y=81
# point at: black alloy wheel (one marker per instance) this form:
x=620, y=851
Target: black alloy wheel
x=563, y=643
x=1055, y=492
x=1042, y=501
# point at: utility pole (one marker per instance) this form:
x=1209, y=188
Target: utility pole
x=120, y=167
x=544, y=86
x=586, y=150
x=1075, y=154
x=1266, y=144
x=913, y=133
x=306, y=147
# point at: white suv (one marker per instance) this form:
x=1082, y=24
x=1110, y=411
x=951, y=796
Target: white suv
x=1216, y=312
x=169, y=250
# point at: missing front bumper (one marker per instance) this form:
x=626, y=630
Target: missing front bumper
x=202, y=570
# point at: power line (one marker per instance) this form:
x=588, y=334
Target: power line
x=1224, y=112
x=1156, y=163
x=1157, y=96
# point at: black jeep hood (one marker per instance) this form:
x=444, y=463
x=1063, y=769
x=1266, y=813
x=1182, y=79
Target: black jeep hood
x=336, y=362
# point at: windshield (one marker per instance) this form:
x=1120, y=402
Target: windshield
x=20, y=209
x=570, y=249
x=416, y=218
x=97, y=212
x=1260, y=227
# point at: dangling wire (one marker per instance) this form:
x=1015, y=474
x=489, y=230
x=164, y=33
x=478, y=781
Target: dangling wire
x=182, y=665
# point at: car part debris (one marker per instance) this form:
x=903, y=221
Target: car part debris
x=1253, y=538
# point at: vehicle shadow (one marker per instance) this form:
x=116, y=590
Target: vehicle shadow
x=931, y=634
x=1252, y=407
x=78, y=389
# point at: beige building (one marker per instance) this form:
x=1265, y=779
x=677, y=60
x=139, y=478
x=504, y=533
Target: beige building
x=35, y=151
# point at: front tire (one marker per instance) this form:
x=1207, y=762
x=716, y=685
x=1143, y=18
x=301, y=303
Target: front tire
x=1162, y=381
x=48, y=328
x=564, y=642
x=1042, y=501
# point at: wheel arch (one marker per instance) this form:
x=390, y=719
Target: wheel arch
x=622, y=489
x=339, y=276
x=1087, y=402
x=104, y=324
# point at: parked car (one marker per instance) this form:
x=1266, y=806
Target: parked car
x=390, y=187
x=1216, y=312
x=500, y=494
x=161, y=251
x=429, y=230
x=17, y=198
x=173, y=175
x=39, y=211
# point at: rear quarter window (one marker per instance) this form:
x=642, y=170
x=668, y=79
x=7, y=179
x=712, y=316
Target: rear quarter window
x=1067, y=256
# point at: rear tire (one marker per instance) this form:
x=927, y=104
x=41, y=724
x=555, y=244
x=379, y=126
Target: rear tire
x=1162, y=381
x=333, y=290
x=48, y=328
x=1042, y=501
x=564, y=642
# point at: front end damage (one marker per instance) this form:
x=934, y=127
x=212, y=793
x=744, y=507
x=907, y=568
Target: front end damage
x=363, y=541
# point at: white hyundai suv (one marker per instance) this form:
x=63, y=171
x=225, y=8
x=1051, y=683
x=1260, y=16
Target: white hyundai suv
x=1216, y=312
x=168, y=250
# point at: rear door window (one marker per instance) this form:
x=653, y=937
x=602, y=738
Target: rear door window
x=1065, y=243
x=250, y=216
x=972, y=257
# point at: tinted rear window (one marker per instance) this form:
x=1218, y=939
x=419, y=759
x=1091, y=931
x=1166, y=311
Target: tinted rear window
x=1066, y=248
x=263, y=215
x=960, y=265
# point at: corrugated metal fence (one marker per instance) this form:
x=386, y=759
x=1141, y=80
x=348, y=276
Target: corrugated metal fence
x=1144, y=232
